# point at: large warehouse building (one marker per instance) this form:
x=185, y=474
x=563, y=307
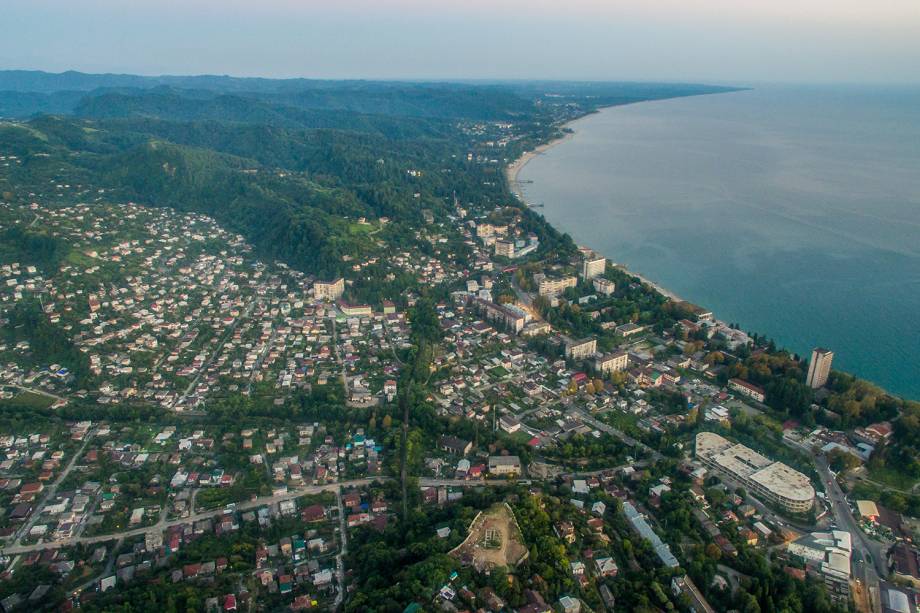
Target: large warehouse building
x=773, y=481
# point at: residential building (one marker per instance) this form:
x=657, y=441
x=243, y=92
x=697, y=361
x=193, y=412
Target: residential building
x=454, y=445
x=329, y=290
x=643, y=529
x=510, y=316
x=355, y=310
x=581, y=349
x=504, y=465
x=684, y=586
x=553, y=287
x=747, y=389
x=819, y=368
x=604, y=286
x=504, y=248
x=612, y=362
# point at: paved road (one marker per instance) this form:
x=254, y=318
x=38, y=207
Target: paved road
x=35, y=390
x=868, y=556
x=163, y=523
x=51, y=491
x=628, y=440
x=220, y=345
x=343, y=550
x=338, y=357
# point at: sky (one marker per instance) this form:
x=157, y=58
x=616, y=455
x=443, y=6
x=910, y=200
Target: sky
x=717, y=41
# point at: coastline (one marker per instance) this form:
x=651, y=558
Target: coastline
x=512, y=175
x=514, y=169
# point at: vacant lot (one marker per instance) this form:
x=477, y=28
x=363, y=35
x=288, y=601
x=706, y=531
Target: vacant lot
x=494, y=540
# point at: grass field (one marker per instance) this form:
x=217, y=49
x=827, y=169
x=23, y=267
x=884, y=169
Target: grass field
x=28, y=400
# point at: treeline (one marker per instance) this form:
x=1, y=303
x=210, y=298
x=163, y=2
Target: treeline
x=32, y=248
x=48, y=343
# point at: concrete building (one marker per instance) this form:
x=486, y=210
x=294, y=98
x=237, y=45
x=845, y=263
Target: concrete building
x=747, y=389
x=504, y=248
x=612, y=362
x=772, y=481
x=894, y=600
x=827, y=556
x=504, y=465
x=581, y=349
x=513, y=318
x=593, y=266
x=355, y=310
x=604, y=286
x=819, y=368
x=684, y=586
x=643, y=529
x=553, y=287
x=329, y=290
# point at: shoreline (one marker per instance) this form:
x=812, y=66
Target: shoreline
x=514, y=169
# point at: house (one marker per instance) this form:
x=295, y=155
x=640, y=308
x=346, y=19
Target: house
x=491, y=600
x=606, y=567
x=565, y=531
x=454, y=445
x=509, y=424
x=504, y=465
x=313, y=513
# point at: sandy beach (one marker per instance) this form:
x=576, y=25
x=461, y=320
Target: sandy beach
x=514, y=168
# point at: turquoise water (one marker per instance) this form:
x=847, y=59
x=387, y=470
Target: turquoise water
x=792, y=211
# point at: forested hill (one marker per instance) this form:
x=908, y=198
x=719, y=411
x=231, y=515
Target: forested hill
x=287, y=163
x=26, y=93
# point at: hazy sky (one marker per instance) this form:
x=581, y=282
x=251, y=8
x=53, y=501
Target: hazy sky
x=702, y=40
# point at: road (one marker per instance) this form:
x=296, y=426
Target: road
x=177, y=405
x=338, y=357
x=37, y=391
x=51, y=491
x=163, y=523
x=628, y=440
x=868, y=559
x=343, y=550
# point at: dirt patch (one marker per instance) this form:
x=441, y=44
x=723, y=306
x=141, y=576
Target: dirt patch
x=494, y=540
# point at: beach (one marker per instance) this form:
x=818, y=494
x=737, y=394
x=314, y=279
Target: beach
x=515, y=167
x=763, y=207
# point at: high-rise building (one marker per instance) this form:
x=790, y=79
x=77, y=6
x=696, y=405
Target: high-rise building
x=593, y=266
x=819, y=368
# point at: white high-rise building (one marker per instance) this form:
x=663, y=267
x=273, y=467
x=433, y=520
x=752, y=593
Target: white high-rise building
x=819, y=368
x=593, y=266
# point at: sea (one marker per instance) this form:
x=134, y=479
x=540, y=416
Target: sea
x=793, y=211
